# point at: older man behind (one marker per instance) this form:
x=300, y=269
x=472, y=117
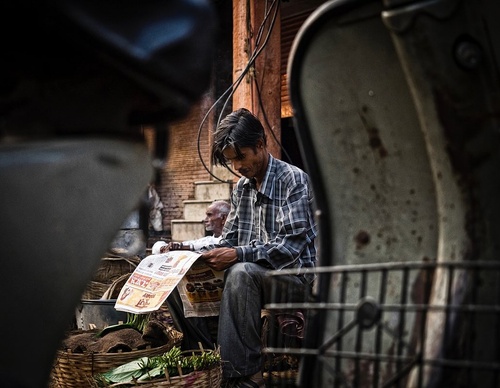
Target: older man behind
x=216, y=215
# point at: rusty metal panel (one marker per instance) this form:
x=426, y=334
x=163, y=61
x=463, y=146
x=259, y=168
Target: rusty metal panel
x=374, y=166
x=397, y=111
x=448, y=51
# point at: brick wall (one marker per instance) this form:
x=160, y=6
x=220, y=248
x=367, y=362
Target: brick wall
x=183, y=166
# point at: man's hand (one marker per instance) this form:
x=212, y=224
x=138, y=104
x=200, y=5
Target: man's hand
x=174, y=246
x=220, y=258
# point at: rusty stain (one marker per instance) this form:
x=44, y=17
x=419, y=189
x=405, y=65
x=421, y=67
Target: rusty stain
x=390, y=365
x=421, y=288
x=362, y=239
x=364, y=375
x=375, y=142
x=374, y=139
x=419, y=295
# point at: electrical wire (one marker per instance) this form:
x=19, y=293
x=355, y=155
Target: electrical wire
x=229, y=92
x=238, y=81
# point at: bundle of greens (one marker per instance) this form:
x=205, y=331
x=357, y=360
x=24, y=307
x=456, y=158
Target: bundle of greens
x=170, y=364
x=134, y=321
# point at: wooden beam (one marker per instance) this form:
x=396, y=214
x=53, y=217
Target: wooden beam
x=260, y=90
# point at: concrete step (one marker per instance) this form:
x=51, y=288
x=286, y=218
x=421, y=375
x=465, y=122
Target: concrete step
x=205, y=192
x=223, y=173
x=212, y=190
x=194, y=210
x=183, y=230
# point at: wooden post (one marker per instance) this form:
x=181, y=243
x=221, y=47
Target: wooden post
x=260, y=90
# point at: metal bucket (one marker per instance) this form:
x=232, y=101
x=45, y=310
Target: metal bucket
x=98, y=314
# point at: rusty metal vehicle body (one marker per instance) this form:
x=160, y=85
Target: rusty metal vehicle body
x=396, y=105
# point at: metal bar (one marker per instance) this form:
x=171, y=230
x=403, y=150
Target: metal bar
x=359, y=331
x=402, y=321
x=428, y=278
x=388, y=266
x=379, y=332
x=470, y=316
x=492, y=366
x=337, y=336
x=340, y=321
x=404, y=372
x=490, y=309
x=496, y=376
x=448, y=329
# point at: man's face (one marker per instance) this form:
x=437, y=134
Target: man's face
x=214, y=222
x=252, y=164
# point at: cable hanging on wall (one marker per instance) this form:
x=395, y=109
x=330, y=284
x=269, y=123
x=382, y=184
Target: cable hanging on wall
x=270, y=15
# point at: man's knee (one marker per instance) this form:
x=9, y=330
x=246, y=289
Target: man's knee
x=242, y=273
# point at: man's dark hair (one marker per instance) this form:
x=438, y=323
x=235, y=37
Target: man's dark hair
x=238, y=129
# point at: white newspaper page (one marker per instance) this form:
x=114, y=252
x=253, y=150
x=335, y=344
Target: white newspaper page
x=153, y=280
x=201, y=290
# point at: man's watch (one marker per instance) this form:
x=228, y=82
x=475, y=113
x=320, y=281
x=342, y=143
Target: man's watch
x=186, y=247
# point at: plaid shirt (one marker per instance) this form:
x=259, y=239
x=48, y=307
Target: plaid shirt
x=274, y=226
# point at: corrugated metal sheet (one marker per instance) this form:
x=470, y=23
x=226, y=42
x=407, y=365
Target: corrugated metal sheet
x=290, y=25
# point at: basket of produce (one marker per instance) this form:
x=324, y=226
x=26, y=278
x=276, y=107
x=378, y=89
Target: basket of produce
x=194, y=368
x=83, y=354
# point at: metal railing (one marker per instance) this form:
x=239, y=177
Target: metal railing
x=405, y=324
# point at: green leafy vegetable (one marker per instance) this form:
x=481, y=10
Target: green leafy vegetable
x=134, y=321
x=149, y=368
x=127, y=372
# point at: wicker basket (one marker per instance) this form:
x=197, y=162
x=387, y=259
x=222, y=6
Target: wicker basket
x=113, y=267
x=206, y=378
x=94, y=290
x=76, y=370
x=209, y=378
x=110, y=270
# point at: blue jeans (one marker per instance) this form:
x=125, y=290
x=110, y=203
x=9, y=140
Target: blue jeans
x=246, y=290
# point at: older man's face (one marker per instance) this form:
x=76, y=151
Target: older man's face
x=214, y=222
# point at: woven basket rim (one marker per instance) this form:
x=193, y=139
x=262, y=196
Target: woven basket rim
x=172, y=381
x=176, y=338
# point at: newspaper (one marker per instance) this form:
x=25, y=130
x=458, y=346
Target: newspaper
x=201, y=290
x=156, y=276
